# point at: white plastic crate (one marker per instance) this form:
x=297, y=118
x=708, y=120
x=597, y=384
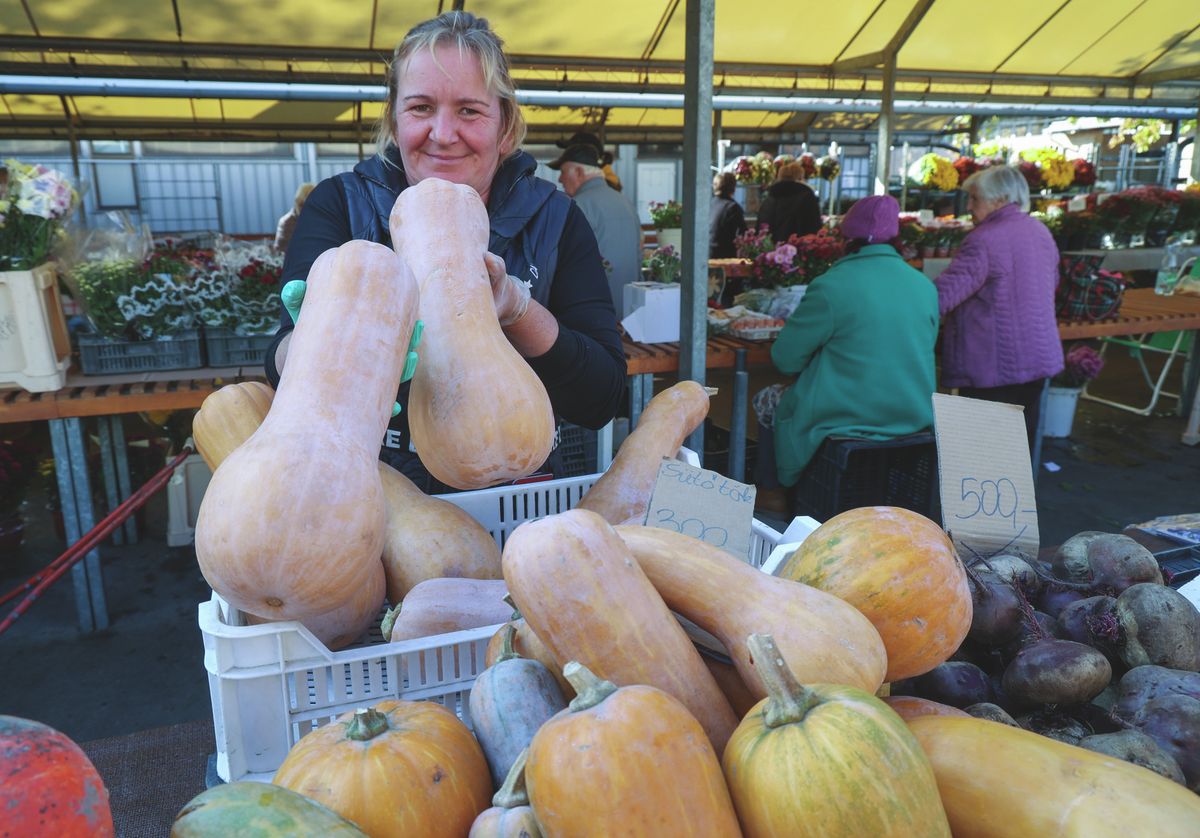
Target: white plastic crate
x=185, y=490
x=271, y=684
x=35, y=349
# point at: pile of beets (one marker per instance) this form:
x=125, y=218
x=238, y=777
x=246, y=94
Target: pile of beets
x=1092, y=649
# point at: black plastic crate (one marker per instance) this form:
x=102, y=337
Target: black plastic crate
x=847, y=473
x=1183, y=563
x=104, y=356
x=577, y=447
x=226, y=348
x=716, y=451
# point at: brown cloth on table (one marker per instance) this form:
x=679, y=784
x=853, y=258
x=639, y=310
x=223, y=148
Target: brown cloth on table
x=151, y=774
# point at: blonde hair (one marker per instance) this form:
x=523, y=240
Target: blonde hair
x=301, y=196
x=470, y=34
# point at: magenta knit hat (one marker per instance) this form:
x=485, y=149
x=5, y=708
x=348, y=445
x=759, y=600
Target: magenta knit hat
x=875, y=219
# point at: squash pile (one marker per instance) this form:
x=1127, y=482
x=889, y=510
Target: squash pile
x=596, y=714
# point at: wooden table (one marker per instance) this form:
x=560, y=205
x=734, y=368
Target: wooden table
x=106, y=398
x=1144, y=313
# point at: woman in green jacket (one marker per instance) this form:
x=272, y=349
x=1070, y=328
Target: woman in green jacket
x=860, y=343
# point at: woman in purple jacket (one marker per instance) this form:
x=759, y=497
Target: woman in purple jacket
x=997, y=299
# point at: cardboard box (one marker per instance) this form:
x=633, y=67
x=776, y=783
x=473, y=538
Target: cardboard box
x=652, y=311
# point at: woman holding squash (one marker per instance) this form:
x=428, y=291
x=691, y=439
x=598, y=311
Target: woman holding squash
x=451, y=114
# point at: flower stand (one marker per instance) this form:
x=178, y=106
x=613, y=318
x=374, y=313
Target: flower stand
x=35, y=349
x=1059, y=414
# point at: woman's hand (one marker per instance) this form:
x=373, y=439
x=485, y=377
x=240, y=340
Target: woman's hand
x=511, y=295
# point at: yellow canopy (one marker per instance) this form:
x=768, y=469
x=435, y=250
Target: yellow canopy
x=1072, y=53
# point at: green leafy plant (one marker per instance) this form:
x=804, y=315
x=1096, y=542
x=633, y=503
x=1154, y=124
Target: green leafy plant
x=664, y=265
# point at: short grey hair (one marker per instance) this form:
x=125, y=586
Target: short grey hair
x=1005, y=184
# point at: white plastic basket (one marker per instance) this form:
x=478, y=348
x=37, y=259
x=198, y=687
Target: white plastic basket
x=271, y=684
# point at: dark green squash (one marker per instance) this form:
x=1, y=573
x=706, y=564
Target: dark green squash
x=259, y=810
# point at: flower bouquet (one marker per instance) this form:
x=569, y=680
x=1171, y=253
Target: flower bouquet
x=236, y=286
x=933, y=171
x=828, y=167
x=1085, y=172
x=1054, y=171
x=34, y=204
x=967, y=166
x=809, y=164
x=759, y=169
x=1082, y=364
x=797, y=261
x=666, y=215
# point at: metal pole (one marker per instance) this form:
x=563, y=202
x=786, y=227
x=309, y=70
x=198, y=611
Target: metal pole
x=697, y=195
x=1196, y=146
x=883, y=154
x=737, y=422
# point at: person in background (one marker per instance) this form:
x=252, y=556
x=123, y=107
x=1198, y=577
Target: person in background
x=1000, y=341
x=611, y=215
x=725, y=218
x=790, y=206
x=451, y=113
x=860, y=343
x=606, y=158
x=287, y=223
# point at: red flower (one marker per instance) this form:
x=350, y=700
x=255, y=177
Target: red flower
x=1085, y=173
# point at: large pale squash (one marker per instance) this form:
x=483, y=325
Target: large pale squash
x=478, y=413
x=828, y=761
x=426, y=537
x=900, y=570
x=439, y=606
x=577, y=585
x=228, y=417
x=822, y=638
x=623, y=492
x=401, y=769
x=294, y=519
x=630, y=762
x=998, y=781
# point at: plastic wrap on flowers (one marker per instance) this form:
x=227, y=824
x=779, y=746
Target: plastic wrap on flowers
x=237, y=288
x=35, y=202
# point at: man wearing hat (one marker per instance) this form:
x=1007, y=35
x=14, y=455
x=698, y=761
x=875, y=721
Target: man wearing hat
x=611, y=215
x=860, y=343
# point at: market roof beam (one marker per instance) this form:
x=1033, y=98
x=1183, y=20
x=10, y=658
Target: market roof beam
x=1154, y=77
x=858, y=62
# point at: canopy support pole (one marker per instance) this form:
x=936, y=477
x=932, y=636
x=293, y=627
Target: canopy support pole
x=697, y=195
x=883, y=153
x=1196, y=146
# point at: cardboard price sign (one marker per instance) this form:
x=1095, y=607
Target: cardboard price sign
x=988, y=502
x=703, y=504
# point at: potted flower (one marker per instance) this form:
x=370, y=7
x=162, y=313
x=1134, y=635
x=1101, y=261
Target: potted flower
x=668, y=223
x=235, y=294
x=663, y=265
x=1082, y=364
x=35, y=203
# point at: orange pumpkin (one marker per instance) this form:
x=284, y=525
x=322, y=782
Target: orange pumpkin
x=48, y=785
x=630, y=761
x=400, y=768
x=228, y=417
x=827, y=761
x=901, y=571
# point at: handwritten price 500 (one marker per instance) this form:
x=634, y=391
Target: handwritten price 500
x=990, y=498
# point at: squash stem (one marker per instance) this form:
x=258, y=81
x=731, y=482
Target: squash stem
x=389, y=622
x=590, y=690
x=513, y=793
x=789, y=701
x=366, y=724
x=512, y=603
x=507, y=635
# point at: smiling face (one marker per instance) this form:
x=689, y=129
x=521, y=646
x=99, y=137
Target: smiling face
x=448, y=124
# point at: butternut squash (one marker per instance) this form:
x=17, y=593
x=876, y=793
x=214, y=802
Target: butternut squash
x=426, y=538
x=823, y=639
x=478, y=414
x=228, y=417
x=438, y=606
x=294, y=519
x=340, y=627
x=430, y=538
x=577, y=585
x=998, y=781
x=623, y=492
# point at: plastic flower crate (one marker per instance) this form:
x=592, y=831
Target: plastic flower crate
x=226, y=348
x=104, y=356
x=271, y=684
